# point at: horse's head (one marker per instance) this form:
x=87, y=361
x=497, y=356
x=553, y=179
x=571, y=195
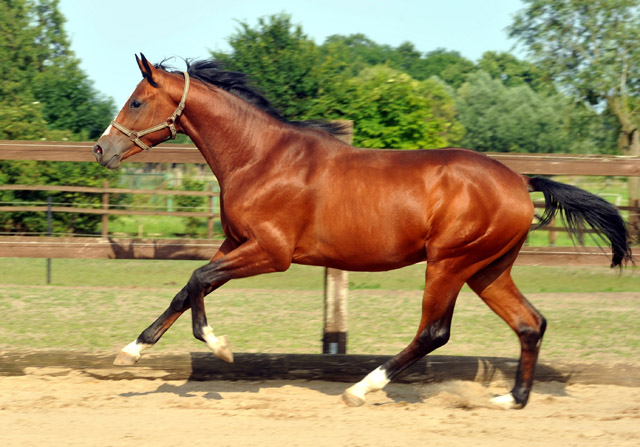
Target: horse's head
x=136, y=127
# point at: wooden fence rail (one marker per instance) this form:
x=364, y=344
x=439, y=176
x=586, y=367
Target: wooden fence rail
x=104, y=208
x=550, y=164
x=547, y=164
x=211, y=213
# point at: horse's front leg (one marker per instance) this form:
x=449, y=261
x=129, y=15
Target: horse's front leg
x=130, y=354
x=249, y=259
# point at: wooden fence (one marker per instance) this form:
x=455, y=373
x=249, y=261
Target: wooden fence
x=548, y=164
x=105, y=211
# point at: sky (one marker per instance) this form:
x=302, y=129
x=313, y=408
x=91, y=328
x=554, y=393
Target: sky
x=106, y=35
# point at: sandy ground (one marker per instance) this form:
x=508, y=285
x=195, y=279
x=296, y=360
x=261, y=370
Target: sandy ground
x=63, y=407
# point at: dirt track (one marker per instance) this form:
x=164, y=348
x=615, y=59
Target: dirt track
x=66, y=407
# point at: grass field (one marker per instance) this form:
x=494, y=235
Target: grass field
x=174, y=274
x=98, y=305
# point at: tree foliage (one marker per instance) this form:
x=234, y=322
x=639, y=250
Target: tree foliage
x=510, y=119
x=280, y=59
x=42, y=80
x=342, y=80
x=590, y=49
x=45, y=95
x=392, y=110
x=513, y=71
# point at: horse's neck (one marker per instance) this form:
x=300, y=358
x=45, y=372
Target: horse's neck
x=229, y=133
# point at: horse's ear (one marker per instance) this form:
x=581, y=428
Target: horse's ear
x=146, y=69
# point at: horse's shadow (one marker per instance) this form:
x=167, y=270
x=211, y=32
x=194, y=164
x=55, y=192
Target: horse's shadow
x=252, y=374
x=457, y=393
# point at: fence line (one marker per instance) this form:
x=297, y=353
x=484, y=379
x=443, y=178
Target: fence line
x=548, y=164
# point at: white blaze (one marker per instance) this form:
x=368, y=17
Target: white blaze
x=106, y=132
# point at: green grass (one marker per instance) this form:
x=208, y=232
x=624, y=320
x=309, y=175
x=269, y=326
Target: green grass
x=100, y=305
x=174, y=274
x=594, y=327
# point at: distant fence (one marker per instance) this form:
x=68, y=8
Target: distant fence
x=105, y=211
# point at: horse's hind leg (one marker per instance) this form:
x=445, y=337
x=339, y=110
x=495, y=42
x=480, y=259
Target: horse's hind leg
x=443, y=284
x=495, y=286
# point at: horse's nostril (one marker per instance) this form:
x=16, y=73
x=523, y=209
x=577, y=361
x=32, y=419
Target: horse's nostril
x=97, y=149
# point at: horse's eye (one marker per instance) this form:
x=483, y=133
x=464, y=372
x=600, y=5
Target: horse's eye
x=135, y=104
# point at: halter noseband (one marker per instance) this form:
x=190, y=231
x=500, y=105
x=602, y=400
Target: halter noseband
x=170, y=122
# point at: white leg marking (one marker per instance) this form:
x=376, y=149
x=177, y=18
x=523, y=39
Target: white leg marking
x=375, y=380
x=135, y=349
x=210, y=339
x=219, y=345
x=130, y=354
x=506, y=402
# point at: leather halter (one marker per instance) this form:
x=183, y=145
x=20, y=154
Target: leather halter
x=170, y=122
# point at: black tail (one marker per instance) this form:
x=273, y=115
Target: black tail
x=579, y=207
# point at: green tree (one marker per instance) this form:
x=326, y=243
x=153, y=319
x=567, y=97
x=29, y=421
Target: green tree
x=392, y=110
x=450, y=66
x=513, y=71
x=280, y=59
x=590, y=48
x=358, y=51
x=511, y=119
x=42, y=79
x=191, y=203
x=45, y=95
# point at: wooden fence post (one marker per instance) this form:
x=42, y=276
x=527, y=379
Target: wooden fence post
x=336, y=288
x=552, y=233
x=634, y=220
x=105, y=207
x=211, y=212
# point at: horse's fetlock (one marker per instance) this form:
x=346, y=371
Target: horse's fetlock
x=521, y=395
x=198, y=333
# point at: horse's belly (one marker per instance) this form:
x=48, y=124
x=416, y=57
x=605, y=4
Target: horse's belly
x=358, y=253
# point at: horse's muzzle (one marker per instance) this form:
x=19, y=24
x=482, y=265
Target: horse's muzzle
x=110, y=162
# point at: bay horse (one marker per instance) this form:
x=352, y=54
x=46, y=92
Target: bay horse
x=293, y=192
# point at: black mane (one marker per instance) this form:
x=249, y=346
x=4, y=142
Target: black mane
x=237, y=83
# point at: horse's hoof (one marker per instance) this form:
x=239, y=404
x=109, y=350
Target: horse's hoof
x=351, y=400
x=222, y=349
x=506, y=402
x=125, y=358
